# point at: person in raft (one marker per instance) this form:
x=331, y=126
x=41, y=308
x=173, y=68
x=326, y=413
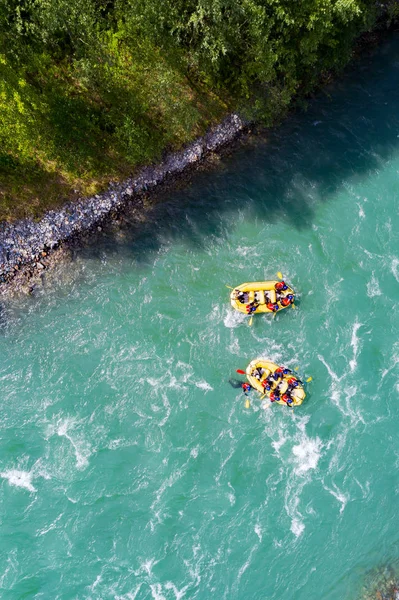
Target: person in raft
x=258, y=372
x=272, y=307
x=287, y=300
x=287, y=399
x=292, y=383
x=274, y=396
x=280, y=286
x=246, y=388
x=267, y=383
x=242, y=297
x=251, y=307
x=278, y=373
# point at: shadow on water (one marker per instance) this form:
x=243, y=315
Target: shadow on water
x=347, y=133
x=301, y=164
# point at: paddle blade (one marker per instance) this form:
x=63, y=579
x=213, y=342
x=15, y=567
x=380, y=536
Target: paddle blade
x=279, y=275
x=229, y=286
x=240, y=371
x=296, y=368
x=250, y=321
x=247, y=403
x=309, y=379
x=293, y=306
x=264, y=395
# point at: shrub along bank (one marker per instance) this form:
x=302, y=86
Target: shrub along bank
x=91, y=89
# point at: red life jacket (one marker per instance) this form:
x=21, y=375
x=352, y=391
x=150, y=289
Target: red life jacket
x=291, y=380
x=272, y=307
x=279, y=285
x=272, y=397
x=279, y=370
x=285, y=302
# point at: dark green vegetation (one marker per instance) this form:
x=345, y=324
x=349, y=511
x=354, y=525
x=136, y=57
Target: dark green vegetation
x=90, y=89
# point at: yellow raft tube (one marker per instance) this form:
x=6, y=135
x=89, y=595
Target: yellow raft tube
x=260, y=292
x=262, y=368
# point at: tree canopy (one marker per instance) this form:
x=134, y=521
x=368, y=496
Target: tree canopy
x=91, y=88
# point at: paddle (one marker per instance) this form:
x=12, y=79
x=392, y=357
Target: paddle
x=240, y=371
x=247, y=403
x=229, y=286
x=308, y=379
x=250, y=320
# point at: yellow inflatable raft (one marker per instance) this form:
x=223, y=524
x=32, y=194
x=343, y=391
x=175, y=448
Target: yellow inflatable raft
x=260, y=369
x=262, y=295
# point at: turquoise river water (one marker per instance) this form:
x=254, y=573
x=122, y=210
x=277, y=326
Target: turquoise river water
x=130, y=469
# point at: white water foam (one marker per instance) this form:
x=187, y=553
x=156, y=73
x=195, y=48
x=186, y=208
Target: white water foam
x=307, y=454
x=22, y=479
x=258, y=531
x=233, y=318
x=245, y=566
x=297, y=527
x=167, y=483
x=81, y=448
x=355, y=345
x=342, y=395
x=339, y=495
x=394, y=360
x=147, y=566
x=204, y=385
x=395, y=268
x=194, y=452
x=178, y=593
x=373, y=288
x=277, y=444
x=245, y=251
x=52, y=526
x=304, y=459
x=156, y=591
x=130, y=595
x=168, y=410
x=8, y=578
x=234, y=347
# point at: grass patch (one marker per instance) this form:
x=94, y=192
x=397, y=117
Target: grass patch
x=68, y=127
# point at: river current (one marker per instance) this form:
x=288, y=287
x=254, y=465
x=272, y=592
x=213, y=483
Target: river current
x=130, y=469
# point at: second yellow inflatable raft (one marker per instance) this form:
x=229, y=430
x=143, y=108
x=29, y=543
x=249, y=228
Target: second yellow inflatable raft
x=260, y=370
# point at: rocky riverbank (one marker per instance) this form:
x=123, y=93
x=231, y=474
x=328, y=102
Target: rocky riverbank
x=27, y=248
x=381, y=584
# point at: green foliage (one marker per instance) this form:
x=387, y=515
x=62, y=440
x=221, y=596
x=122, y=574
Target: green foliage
x=393, y=11
x=91, y=88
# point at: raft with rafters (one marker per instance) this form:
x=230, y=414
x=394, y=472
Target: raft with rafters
x=260, y=369
x=262, y=293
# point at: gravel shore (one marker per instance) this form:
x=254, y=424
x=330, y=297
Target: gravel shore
x=27, y=248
